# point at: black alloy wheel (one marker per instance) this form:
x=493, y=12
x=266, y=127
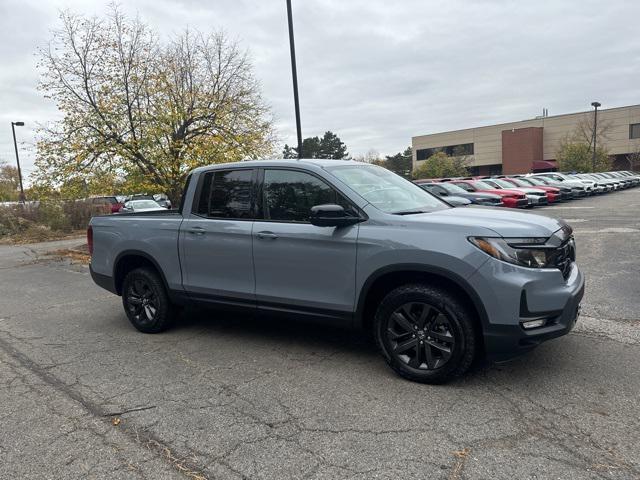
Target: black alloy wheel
x=426, y=334
x=421, y=336
x=146, y=302
x=142, y=301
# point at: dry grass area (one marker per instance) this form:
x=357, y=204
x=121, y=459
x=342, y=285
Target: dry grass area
x=39, y=234
x=78, y=254
x=46, y=221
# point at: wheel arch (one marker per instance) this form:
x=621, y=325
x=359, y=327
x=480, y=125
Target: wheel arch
x=385, y=279
x=129, y=260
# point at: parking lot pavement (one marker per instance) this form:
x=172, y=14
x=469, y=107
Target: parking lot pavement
x=84, y=395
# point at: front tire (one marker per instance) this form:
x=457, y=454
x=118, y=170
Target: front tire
x=425, y=334
x=146, y=302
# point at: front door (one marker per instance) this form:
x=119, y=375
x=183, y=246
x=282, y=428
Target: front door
x=216, y=242
x=298, y=266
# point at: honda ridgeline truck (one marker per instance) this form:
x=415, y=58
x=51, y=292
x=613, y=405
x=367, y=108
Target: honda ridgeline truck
x=352, y=244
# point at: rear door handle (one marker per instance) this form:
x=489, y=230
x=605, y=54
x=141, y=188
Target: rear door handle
x=267, y=235
x=196, y=230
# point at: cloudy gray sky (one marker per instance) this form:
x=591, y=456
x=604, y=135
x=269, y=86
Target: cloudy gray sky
x=374, y=71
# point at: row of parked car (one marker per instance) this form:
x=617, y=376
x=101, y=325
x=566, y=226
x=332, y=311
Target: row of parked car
x=140, y=202
x=527, y=191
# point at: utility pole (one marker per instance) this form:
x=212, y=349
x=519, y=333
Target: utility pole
x=595, y=105
x=15, y=144
x=294, y=74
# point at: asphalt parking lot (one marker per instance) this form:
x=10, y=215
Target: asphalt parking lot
x=84, y=395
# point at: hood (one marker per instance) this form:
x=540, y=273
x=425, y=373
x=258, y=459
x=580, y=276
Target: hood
x=572, y=183
x=153, y=209
x=530, y=190
x=503, y=191
x=456, y=198
x=504, y=223
x=482, y=195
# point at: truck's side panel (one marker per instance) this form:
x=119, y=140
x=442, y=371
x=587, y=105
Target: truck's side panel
x=155, y=235
x=217, y=258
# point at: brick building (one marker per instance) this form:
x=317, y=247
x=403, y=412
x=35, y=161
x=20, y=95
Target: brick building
x=531, y=145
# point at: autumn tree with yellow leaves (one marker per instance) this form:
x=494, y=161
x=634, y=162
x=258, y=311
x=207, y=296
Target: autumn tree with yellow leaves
x=142, y=110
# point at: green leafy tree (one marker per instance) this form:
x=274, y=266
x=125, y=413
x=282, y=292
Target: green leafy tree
x=441, y=165
x=329, y=146
x=400, y=163
x=634, y=158
x=133, y=106
x=578, y=157
x=9, y=183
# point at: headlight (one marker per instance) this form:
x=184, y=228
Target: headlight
x=526, y=252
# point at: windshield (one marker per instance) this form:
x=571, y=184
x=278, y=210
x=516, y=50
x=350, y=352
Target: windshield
x=385, y=190
x=519, y=182
x=142, y=204
x=537, y=181
x=483, y=186
x=503, y=183
x=553, y=177
x=453, y=189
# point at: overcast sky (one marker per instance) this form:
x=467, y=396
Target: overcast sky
x=375, y=72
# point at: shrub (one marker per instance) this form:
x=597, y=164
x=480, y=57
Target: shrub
x=51, y=214
x=441, y=165
x=40, y=221
x=579, y=157
x=79, y=213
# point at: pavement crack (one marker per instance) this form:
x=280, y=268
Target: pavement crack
x=130, y=410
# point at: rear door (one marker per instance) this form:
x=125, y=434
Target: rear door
x=300, y=267
x=216, y=242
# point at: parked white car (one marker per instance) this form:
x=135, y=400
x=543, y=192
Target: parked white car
x=133, y=206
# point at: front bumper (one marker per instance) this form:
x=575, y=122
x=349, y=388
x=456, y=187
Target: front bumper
x=512, y=295
x=537, y=200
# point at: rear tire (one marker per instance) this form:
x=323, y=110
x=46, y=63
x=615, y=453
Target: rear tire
x=146, y=302
x=425, y=333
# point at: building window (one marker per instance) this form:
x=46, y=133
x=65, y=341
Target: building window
x=450, y=150
x=634, y=130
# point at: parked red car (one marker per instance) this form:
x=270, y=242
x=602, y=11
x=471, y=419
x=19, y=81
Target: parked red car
x=553, y=193
x=510, y=198
x=111, y=202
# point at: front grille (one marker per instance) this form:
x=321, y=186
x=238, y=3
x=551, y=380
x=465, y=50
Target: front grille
x=564, y=256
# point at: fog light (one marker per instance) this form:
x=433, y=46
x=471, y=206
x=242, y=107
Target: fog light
x=538, y=322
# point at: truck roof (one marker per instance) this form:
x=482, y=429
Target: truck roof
x=279, y=162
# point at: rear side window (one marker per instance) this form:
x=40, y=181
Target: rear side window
x=226, y=194
x=288, y=195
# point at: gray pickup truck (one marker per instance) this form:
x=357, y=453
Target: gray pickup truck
x=352, y=244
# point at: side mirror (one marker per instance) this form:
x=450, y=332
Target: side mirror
x=331, y=215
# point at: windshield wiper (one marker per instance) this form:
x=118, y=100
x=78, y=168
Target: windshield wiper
x=410, y=212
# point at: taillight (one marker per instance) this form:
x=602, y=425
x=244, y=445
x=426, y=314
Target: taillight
x=90, y=239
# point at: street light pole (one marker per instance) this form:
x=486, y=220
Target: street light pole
x=294, y=74
x=15, y=145
x=595, y=106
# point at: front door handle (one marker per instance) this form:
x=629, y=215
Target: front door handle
x=267, y=235
x=196, y=230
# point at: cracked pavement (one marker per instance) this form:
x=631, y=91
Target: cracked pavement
x=83, y=395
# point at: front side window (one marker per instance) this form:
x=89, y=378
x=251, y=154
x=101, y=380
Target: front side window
x=634, y=130
x=289, y=195
x=385, y=190
x=226, y=194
